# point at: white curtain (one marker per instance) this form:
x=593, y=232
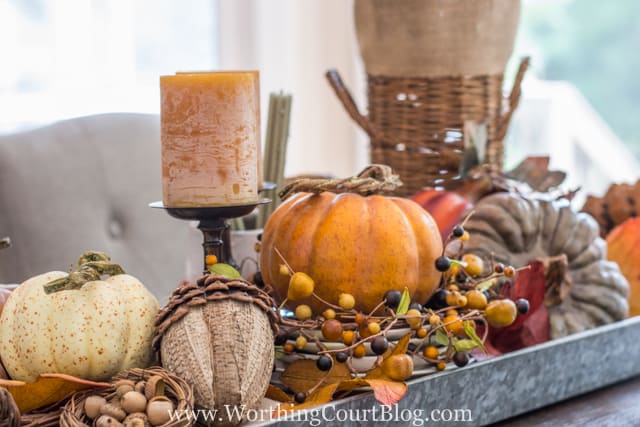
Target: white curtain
x=293, y=43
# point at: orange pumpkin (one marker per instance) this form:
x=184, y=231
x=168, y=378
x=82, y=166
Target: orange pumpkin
x=354, y=244
x=623, y=247
x=446, y=207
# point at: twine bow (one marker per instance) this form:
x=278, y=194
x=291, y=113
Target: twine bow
x=91, y=267
x=374, y=179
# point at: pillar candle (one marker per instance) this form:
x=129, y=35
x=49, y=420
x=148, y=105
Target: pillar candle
x=210, y=131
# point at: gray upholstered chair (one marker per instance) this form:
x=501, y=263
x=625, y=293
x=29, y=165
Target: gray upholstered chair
x=85, y=184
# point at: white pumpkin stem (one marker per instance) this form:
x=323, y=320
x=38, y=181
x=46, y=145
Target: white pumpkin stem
x=91, y=266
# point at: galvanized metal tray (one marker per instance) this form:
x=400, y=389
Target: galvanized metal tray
x=499, y=388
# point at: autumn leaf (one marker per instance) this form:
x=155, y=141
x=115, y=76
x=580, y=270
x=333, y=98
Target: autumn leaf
x=531, y=328
x=276, y=393
x=47, y=389
x=303, y=374
x=319, y=397
x=405, y=301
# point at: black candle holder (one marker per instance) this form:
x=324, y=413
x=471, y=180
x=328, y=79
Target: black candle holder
x=213, y=224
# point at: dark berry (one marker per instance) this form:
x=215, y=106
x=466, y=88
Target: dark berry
x=412, y=347
x=458, y=231
x=392, y=298
x=259, y=237
x=300, y=397
x=438, y=300
x=415, y=306
x=342, y=356
x=281, y=337
x=379, y=345
x=324, y=363
x=443, y=263
x=257, y=279
x=498, y=268
x=522, y=305
x=460, y=358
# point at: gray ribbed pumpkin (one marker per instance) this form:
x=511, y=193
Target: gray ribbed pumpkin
x=517, y=230
x=218, y=336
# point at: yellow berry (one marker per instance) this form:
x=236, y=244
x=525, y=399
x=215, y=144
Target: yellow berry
x=501, y=313
x=374, y=328
x=348, y=337
x=421, y=333
x=475, y=265
x=464, y=237
x=434, y=320
x=476, y=300
x=431, y=352
x=301, y=285
x=413, y=318
x=210, y=259
x=346, y=301
x=329, y=314
x=359, y=351
x=453, y=288
x=456, y=299
x=257, y=246
x=301, y=341
x=303, y=312
x=284, y=270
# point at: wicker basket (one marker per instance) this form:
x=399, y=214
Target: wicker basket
x=432, y=66
x=176, y=389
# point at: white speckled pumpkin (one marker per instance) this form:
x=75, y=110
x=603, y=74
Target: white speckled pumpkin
x=86, y=327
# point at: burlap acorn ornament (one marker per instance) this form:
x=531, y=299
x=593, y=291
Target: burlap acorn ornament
x=218, y=336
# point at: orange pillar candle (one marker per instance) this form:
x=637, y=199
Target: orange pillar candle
x=210, y=131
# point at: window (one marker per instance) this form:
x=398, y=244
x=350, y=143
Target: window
x=66, y=58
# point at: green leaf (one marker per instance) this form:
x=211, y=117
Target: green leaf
x=459, y=262
x=470, y=330
x=465, y=345
x=487, y=284
x=442, y=338
x=405, y=301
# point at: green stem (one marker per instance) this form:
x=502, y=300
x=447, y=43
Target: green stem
x=91, y=266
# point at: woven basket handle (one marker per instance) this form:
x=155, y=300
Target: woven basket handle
x=513, y=100
x=349, y=104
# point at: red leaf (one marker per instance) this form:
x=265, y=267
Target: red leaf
x=531, y=328
x=386, y=392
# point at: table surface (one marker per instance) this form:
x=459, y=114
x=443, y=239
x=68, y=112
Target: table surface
x=617, y=405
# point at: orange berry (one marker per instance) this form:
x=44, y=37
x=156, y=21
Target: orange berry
x=210, y=259
x=331, y=330
x=348, y=337
x=475, y=265
x=360, y=318
x=501, y=313
x=464, y=237
x=451, y=312
x=398, y=367
x=359, y=351
x=452, y=288
x=413, y=318
x=454, y=325
x=431, y=352
x=421, y=333
x=441, y=366
x=289, y=347
x=509, y=271
x=374, y=328
x=363, y=331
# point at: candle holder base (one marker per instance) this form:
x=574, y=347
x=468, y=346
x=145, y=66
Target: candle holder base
x=213, y=225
